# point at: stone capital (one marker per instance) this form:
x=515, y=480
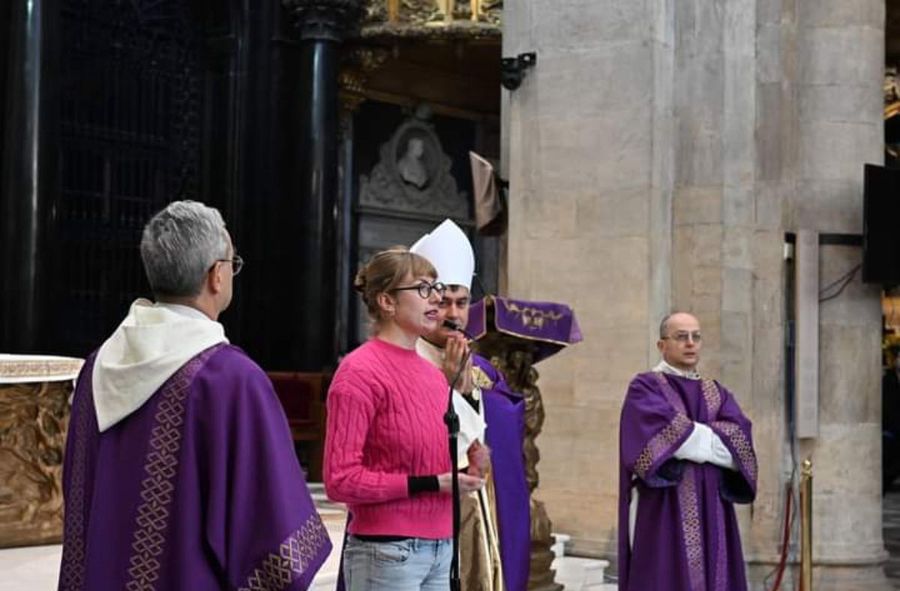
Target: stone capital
x=328, y=20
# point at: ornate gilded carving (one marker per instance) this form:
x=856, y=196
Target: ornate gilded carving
x=33, y=419
x=478, y=10
x=891, y=103
x=434, y=14
x=891, y=92
x=413, y=173
x=357, y=67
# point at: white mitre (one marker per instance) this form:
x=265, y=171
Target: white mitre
x=448, y=248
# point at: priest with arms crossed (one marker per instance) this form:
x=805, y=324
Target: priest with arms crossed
x=686, y=456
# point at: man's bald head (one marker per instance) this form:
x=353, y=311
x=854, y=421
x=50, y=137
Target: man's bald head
x=676, y=316
x=679, y=340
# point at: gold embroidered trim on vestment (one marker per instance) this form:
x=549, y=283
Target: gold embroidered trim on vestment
x=712, y=396
x=741, y=445
x=660, y=443
x=72, y=570
x=158, y=488
x=691, y=530
x=292, y=558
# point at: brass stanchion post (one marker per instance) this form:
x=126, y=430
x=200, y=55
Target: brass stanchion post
x=806, y=526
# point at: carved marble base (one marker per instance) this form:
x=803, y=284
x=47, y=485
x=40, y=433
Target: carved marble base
x=33, y=419
x=541, y=576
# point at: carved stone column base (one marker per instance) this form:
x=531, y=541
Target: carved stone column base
x=541, y=575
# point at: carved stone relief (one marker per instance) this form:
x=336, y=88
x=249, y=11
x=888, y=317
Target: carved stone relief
x=33, y=419
x=413, y=175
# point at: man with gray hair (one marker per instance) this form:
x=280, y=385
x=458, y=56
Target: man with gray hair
x=180, y=470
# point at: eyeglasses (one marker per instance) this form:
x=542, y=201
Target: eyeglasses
x=683, y=337
x=237, y=263
x=424, y=288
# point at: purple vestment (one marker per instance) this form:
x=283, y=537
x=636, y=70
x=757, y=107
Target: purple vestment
x=686, y=535
x=197, y=489
x=504, y=413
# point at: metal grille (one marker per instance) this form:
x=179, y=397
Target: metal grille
x=129, y=130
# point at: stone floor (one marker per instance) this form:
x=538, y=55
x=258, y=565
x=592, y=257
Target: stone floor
x=37, y=568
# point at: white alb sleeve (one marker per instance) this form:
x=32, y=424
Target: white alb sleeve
x=697, y=447
x=720, y=455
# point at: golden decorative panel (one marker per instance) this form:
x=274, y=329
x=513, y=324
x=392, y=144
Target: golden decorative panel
x=433, y=14
x=33, y=420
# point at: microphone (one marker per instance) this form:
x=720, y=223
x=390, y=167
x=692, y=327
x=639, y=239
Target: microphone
x=450, y=325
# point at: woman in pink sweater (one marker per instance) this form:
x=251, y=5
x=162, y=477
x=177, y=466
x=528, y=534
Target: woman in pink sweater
x=386, y=452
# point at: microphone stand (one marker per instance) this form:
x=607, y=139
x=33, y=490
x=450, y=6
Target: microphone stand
x=451, y=419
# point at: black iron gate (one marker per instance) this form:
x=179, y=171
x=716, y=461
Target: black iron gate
x=128, y=143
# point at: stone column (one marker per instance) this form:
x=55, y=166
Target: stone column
x=22, y=195
x=321, y=25
x=588, y=142
x=657, y=155
x=840, y=76
x=774, y=180
x=778, y=105
x=734, y=139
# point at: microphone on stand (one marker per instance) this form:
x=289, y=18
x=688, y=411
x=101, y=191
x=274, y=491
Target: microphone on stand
x=451, y=419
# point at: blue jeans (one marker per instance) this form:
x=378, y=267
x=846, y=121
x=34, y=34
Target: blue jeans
x=414, y=564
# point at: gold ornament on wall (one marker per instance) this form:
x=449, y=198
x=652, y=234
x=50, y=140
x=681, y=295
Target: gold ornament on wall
x=432, y=13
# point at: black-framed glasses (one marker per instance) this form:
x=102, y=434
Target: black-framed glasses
x=424, y=288
x=683, y=337
x=237, y=263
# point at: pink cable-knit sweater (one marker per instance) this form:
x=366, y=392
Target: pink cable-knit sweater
x=385, y=423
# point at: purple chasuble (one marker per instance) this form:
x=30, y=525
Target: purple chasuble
x=686, y=535
x=197, y=489
x=504, y=413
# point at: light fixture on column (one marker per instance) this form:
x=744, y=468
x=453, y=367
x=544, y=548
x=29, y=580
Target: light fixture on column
x=512, y=69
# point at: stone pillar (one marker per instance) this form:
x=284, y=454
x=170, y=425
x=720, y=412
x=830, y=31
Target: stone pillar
x=734, y=168
x=840, y=70
x=22, y=196
x=657, y=155
x=588, y=141
x=774, y=180
x=312, y=260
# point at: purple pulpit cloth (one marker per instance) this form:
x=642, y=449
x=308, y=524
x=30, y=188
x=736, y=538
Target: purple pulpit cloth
x=541, y=329
x=504, y=412
x=197, y=489
x=685, y=535
x=546, y=326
